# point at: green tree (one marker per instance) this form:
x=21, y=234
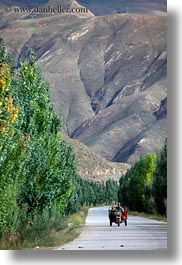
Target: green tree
x=123, y=187
x=33, y=97
x=159, y=188
x=12, y=149
x=50, y=167
x=140, y=183
x=111, y=191
x=135, y=186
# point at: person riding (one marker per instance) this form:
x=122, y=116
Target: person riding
x=119, y=208
x=112, y=210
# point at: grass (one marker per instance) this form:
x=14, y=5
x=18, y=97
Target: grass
x=64, y=231
x=150, y=216
x=38, y=237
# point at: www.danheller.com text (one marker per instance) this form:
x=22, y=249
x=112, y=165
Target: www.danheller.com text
x=48, y=9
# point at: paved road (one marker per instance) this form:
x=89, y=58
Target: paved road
x=140, y=234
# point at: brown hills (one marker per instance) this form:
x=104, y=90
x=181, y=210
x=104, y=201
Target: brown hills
x=107, y=74
x=104, y=7
x=93, y=167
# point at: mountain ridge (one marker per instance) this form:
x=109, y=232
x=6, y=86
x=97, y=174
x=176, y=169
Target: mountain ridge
x=105, y=7
x=107, y=74
x=93, y=167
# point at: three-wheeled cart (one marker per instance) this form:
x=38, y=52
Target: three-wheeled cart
x=118, y=216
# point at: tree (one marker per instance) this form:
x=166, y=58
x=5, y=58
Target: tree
x=50, y=167
x=140, y=182
x=135, y=186
x=37, y=168
x=33, y=97
x=123, y=186
x=159, y=188
x=12, y=149
x=111, y=191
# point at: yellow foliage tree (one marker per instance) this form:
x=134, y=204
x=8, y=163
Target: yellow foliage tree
x=8, y=112
x=11, y=154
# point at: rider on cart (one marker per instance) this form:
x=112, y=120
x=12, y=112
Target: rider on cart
x=119, y=208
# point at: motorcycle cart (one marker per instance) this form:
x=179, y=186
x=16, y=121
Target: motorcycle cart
x=118, y=216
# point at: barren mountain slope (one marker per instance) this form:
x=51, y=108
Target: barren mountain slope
x=107, y=75
x=93, y=167
x=104, y=7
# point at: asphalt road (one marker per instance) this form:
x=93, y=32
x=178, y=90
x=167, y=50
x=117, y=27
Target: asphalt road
x=139, y=234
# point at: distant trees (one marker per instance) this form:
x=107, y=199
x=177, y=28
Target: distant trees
x=111, y=191
x=144, y=187
x=89, y=193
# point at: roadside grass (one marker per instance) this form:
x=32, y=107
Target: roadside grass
x=44, y=236
x=40, y=237
x=150, y=216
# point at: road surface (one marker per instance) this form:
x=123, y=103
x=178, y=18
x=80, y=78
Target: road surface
x=140, y=234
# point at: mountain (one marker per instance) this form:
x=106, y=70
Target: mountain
x=108, y=74
x=93, y=167
x=105, y=7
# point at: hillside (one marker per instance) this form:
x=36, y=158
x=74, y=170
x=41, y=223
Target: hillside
x=105, y=7
x=93, y=167
x=108, y=74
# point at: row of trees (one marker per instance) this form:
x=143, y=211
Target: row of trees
x=89, y=193
x=144, y=187
x=38, y=176
x=36, y=166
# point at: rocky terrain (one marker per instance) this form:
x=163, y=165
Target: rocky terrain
x=107, y=74
x=105, y=7
x=93, y=167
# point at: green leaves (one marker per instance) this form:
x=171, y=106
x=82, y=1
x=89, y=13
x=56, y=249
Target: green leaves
x=33, y=97
x=159, y=188
x=12, y=150
x=144, y=187
x=89, y=193
x=36, y=166
x=135, y=185
x=50, y=163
